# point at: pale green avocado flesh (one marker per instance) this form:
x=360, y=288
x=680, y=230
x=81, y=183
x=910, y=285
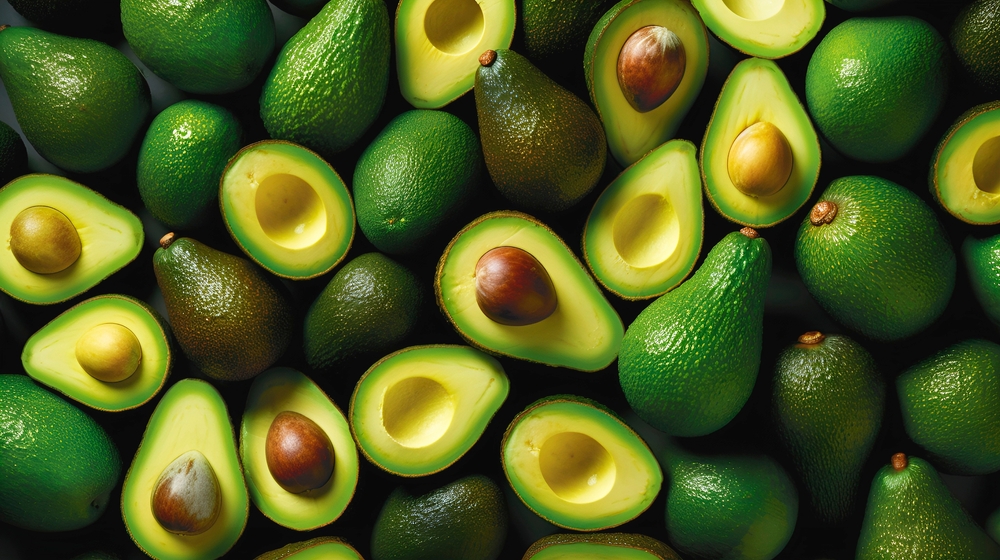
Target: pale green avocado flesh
x=592, y=551
x=965, y=173
x=768, y=29
x=321, y=548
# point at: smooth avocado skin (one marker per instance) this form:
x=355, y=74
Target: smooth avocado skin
x=60, y=466
x=599, y=546
x=764, y=29
x=982, y=262
x=975, y=40
x=965, y=168
x=13, y=154
x=319, y=548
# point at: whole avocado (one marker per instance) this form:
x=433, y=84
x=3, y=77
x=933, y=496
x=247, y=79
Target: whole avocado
x=975, y=38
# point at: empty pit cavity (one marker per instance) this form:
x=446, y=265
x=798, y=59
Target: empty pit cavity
x=754, y=10
x=646, y=231
x=417, y=411
x=454, y=26
x=289, y=211
x=576, y=467
x=986, y=166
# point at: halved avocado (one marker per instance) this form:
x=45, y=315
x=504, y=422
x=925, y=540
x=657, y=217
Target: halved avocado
x=965, y=171
x=577, y=465
x=418, y=410
x=110, y=238
x=583, y=332
x=599, y=546
x=287, y=209
x=50, y=356
x=644, y=234
x=438, y=43
x=320, y=548
x=273, y=392
x=773, y=183
x=190, y=416
x=632, y=133
x=764, y=28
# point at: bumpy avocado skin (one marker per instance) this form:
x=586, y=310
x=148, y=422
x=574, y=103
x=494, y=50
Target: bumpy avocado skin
x=975, y=39
x=559, y=28
x=982, y=261
x=13, y=154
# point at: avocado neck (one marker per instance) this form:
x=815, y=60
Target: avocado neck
x=823, y=213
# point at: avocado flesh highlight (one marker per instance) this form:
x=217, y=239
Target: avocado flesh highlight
x=49, y=356
x=287, y=209
x=644, y=234
x=632, y=134
x=584, y=335
x=110, y=236
x=599, y=546
x=438, y=43
x=190, y=416
x=275, y=391
x=965, y=171
x=417, y=411
x=758, y=91
x=320, y=548
x=764, y=29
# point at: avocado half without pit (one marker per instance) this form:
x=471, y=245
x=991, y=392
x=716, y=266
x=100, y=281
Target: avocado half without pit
x=768, y=29
x=965, y=170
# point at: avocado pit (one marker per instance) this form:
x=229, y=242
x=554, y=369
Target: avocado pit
x=109, y=352
x=299, y=454
x=186, y=498
x=513, y=288
x=760, y=160
x=651, y=65
x=44, y=240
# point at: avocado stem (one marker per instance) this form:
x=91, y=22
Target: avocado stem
x=899, y=462
x=488, y=58
x=823, y=213
x=812, y=337
x=168, y=240
x=750, y=232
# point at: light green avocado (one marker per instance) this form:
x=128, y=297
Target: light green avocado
x=319, y=548
x=287, y=208
x=110, y=237
x=965, y=168
x=644, y=234
x=417, y=411
x=599, y=546
x=764, y=29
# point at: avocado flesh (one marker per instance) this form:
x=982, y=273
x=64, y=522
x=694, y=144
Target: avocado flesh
x=578, y=466
x=110, y=235
x=764, y=29
x=438, y=43
x=284, y=389
x=190, y=416
x=599, y=546
x=632, y=134
x=965, y=173
x=287, y=208
x=644, y=233
x=49, y=356
x=320, y=548
x=584, y=335
x=417, y=411
x=757, y=91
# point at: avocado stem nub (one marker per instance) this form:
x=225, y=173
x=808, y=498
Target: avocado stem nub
x=488, y=58
x=899, y=461
x=812, y=337
x=823, y=213
x=168, y=240
x=750, y=232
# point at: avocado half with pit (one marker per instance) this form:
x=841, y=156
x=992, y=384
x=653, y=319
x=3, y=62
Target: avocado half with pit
x=599, y=546
x=645, y=63
x=109, y=352
x=768, y=29
x=438, y=44
x=320, y=548
x=298, y=455
x=577, y=465
x=965, y=170
x=287, y=209
x=644, y=234
x=417, y=411
x=63, y=238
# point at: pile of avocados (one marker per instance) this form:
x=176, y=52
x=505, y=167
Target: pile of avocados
x=500, y=279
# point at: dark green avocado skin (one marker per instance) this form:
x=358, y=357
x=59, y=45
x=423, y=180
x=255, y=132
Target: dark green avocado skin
x=975, y=39
x=13, y=154
x=982, y=260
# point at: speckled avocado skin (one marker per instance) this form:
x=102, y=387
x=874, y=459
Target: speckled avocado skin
x=554, y=28
x=982, y=260
x=975, y=38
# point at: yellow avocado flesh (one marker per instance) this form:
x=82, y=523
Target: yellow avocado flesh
x=190, y=416
x=283, y=389
x=592, y=551
x=438, y=43
x=49, y=356
x=644, y=234
x=764, y=28
x=417, y=411
x=966, y=174
x=110, y=238
x=287, y=209
x=319, y=548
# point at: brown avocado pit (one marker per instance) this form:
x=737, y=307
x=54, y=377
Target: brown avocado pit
x=650, y=67
x=760, y=160
x=186, y=498
x=109, y=352
x=299, y=454
x=513, y=288
x=44, y=240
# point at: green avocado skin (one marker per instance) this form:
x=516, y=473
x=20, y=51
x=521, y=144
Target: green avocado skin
x=859, y=5
x=827, y=404
x=982, y=260
x=884, y=266
x=975, y=39
x=13, y=154
x=950, y=404
x=80, y=102
x=555, y=28
x=689, y=361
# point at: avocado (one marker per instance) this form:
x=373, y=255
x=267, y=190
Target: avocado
x=583, y=333
x=760, y=156
x=325, y=548
x=665, y=45
x=438, y=43
x=965, y=168
x=301, y=8
x=201, y=47
x=418, y=410
x=417, y=174
x=982, y=262
x=13, y=154
x=80, y=102
x=49, y=11
x=544, y=147
x=275, y=393
x=764, y=29
x=108, y=237
x=644, y=234
x=975, y=39
x=578, y=465
x=287, y=209
x=858, y=5
x=599, y=546
x=555, y=30
x=60, y=466
x=875, y=257
x=190, y=418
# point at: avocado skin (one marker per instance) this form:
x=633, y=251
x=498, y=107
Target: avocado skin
x=602, y=542
x=553, y=28
x=80, y=102
x=982, y=261
x=975, y=38
x=858, y=5
x=13, y=154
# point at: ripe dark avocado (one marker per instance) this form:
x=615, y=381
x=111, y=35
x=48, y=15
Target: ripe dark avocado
x=975, y=39
x=13, y=154
x=556, y=29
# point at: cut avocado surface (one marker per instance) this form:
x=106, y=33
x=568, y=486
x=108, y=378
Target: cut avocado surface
x=577, y=465
x=417, y=411
x=50, y=355
x=644, y=234
x=320, y=548
x=965, y=170
x=768, y=29
x=110, y=237
x=287, y=209
x=273, y=392
x=583, y=333
x=599, y=546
